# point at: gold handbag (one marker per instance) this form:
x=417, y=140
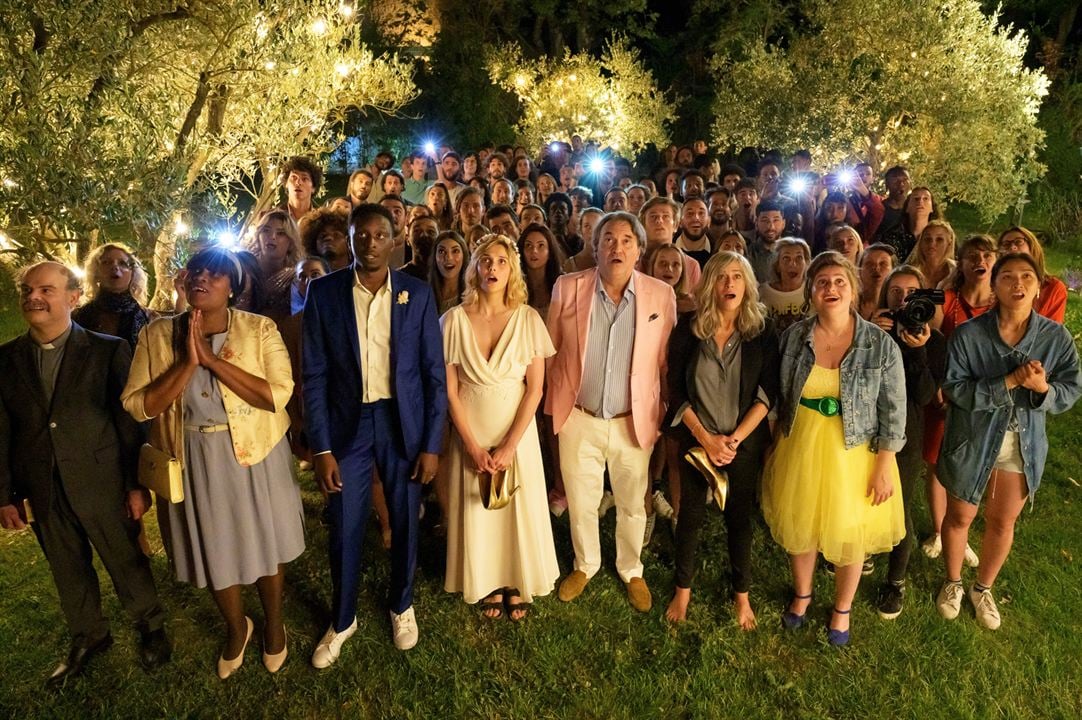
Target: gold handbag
x=717, y=479
x=496, y=491
x=161, y=472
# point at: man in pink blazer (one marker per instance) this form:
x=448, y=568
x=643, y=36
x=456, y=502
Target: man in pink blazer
x=610, y=326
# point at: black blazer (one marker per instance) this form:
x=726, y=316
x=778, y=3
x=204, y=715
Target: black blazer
x=760, y=362
x=84, y=432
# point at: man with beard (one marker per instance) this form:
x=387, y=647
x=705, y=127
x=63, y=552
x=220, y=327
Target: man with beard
x=693, y=239
x=875, y=264
x=719, y=205
x=898, y=188
x=769, y=226
x=692, y=184
x=421, y=235
x=558, y=209
x=323, y=234
x=397, y=207
x=497, y=166
x=659, y=217
x=449, y=172
x=71, y=452
x=502, y=220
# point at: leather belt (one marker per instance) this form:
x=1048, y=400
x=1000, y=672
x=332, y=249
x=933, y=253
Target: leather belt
x=591, y=413
x=206, y=428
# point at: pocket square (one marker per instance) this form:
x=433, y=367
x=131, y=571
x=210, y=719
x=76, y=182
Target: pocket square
x=653, y=317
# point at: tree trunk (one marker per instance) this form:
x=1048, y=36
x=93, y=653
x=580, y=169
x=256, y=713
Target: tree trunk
x=165, y=249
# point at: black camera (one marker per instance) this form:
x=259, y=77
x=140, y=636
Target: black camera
x=917, y=310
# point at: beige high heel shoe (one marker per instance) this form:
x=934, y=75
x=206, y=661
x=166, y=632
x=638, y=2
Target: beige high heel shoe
x=274, y=662
x=228, y=667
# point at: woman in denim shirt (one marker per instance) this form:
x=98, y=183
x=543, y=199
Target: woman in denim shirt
x=830, y=484
x=1005, y=370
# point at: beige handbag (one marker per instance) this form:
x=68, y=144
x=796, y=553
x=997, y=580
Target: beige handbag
x=717, y=479
x=160, y=472
x=496, y=491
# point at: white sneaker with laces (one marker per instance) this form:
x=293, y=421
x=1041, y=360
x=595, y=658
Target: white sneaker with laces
x=949, y=600
x=971, y=559
x=330, y=645
x=933, y=546
x=984, y=605
x=404, y=627
x=662, y=506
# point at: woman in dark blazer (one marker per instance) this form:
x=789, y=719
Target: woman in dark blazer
x=723, y=379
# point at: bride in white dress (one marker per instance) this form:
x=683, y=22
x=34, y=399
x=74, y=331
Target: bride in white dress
x=495, y=347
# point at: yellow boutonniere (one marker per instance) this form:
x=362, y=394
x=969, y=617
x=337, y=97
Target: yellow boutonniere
x=403, y=297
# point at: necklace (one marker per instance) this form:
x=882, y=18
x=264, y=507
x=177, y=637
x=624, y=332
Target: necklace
x=830, y=339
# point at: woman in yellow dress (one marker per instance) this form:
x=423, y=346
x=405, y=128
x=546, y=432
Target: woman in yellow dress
x=829, y=487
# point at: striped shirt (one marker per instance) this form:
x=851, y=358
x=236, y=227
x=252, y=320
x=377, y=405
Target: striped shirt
x=606, y=376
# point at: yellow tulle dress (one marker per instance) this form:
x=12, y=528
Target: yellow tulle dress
x=815, y=492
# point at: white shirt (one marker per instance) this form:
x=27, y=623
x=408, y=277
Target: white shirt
x=373, y=312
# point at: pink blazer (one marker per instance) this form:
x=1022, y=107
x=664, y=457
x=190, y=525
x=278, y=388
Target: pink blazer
x=569, y=325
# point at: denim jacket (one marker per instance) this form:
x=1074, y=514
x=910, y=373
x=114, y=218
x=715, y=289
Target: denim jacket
x=981, y=407
x=872, y=384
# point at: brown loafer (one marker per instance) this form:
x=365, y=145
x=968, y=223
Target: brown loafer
x=573, y=585
x=639, y=595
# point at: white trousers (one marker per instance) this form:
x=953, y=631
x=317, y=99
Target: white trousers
x=587, y=446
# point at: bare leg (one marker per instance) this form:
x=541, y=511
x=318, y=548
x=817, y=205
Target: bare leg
x=803, y=567
x=271, y=590
x=956, y=524
x=231, y=606
x=937, y=500
x=1002, y=506
x=846, y=580
x=678, y=606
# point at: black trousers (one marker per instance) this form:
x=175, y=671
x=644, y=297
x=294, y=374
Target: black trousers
x=910, y=469
x=743, y=474
x=67, y=538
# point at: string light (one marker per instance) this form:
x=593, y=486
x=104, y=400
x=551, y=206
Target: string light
x=318, y=27
x=345, y=10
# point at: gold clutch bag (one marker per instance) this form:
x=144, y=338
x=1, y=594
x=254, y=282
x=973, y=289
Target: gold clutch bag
x=717, y=479
x=496, y=491
x=161, y=472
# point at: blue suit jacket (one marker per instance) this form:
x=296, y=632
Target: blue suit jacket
x=333, y=391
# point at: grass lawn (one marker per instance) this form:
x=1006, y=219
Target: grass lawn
x=596, y=657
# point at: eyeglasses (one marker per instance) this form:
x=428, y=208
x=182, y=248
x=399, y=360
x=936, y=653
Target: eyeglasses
x=125, y=264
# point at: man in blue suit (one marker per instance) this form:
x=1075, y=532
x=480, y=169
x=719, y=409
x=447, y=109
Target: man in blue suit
x=375, y=395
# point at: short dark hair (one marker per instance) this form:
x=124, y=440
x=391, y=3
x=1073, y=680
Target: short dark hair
x=313, y=224
x=746, y=183
x=391, y=173
x=733, y=169
x=498, y=210
x=803, y=153
x=365, y=211
x=559, y=197
x=892, y=171
x=1025, y=257
x=718, y=190
x=692, y=173
x=299, y=163
x=394, y=198
x=498, y=156
x=769, y=205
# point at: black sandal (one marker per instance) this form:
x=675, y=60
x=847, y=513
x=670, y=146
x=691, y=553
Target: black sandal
x=489, y=604
x=513, y=606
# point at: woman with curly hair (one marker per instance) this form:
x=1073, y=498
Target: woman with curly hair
x=116, y=289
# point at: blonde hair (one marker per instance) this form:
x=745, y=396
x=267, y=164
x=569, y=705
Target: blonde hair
x=751, y=319
x=138, y=287
x=681, y=287
x=1035, y=249
x=515, y=293
x=915, y=258
x=782, y=244
x=296, y=250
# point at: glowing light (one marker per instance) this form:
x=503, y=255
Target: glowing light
x=520, y=80
x=77, y=271
x=798, y=185
x=318, y=27
x=430, y=147
x=345, y=10
x=181, y=227
x=846, y=177
x=596, y=165
x=903, y=156
x=227, y=239
x=572, y=77
x=342, y=69
x=554, y=145
x=270, y=65
x=9, y=183
x=5, y=242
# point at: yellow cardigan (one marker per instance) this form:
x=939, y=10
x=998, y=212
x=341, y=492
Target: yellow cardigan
x=253, y=344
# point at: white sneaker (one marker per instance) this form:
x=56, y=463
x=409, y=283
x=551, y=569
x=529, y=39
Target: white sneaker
x=404, y=627
x=933, y=546
x=985, y=607
x=330, y=645
x=971, y=559
x=949, y=600
x=608, y=502
x=662, y=506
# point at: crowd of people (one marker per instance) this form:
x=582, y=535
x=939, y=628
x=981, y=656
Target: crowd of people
x=532, y=338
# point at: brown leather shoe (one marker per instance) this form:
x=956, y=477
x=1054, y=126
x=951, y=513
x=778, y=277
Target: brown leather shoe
x=573, y=585
x=639, y=595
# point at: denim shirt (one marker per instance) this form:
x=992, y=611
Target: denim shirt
x=872, y=384
x=981, y=407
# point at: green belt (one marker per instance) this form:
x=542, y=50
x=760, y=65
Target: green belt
x=827, y=406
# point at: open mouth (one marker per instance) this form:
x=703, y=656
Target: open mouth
x=198, y=289
x=730, y=296
x=981, y=270
x=492, y=280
